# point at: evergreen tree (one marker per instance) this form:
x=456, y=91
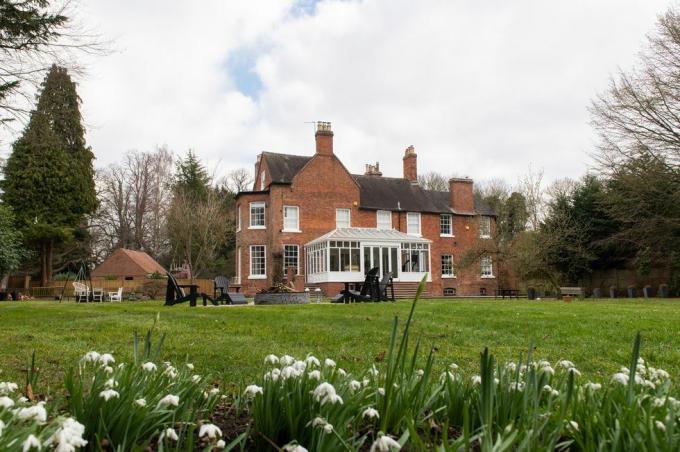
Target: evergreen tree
x=191, y=177
x=11, y=251
x=49, y=175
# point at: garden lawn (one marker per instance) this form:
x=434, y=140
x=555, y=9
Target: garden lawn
x=231, y=342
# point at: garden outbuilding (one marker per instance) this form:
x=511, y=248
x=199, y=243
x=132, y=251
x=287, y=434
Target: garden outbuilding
x=129, y=265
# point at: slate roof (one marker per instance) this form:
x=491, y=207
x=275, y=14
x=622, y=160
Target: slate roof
x=377, y=192
x=368, y=234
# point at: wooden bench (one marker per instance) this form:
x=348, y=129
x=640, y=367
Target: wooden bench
x=510, y=293
x=573, y=291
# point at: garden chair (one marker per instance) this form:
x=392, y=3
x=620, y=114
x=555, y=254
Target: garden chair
x=116, y=296
x=175, y=292
x=384, y=284
x=369, y=290
x=81, y=292
x=98, y=294
x=221, y=294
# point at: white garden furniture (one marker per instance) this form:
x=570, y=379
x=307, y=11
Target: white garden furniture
x=116, y=296
x=81, y=292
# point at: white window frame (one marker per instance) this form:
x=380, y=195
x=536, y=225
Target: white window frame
x=264, y=215
x=441, y=218
x=410, y=215
x=453, y=268
x=297, y=266
x=250, y=265
x=486, y=262
x=238, y=218
x=387, y=215
x=297, y=219
x=349, y=218
x=487, y=222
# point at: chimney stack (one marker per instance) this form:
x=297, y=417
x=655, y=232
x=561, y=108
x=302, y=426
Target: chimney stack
x=411, y=165
x=373, y=170
x=324, y=138
x=460, y=191
x=257, y=166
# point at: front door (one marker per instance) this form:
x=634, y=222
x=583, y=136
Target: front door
x=383, y=257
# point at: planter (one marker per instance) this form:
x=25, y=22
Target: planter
x=282, y=298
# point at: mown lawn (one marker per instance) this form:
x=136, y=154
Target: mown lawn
x=231, y=342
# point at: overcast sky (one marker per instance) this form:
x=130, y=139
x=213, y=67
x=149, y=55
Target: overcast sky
x=482, y=89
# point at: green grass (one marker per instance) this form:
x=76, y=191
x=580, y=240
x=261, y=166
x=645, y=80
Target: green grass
x=231, y=342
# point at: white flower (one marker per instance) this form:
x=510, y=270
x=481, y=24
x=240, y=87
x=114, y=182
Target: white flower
x=476, y=380
x=658, y=402
x=108, y=369
x=273, y=375
x=220, y=444
x=189, y=366
x=253, y=390
x=68, y=437
x=543, y=363
x=620, y=378
x=420, y=373
x=211, y=430
x=446, y=376
x=196, y=378
x=593, y=386
x=7, y=387
x=660, y=374
x=548, y=370
x=365, y=381
x=516, y=386
x=573, y=425
x=271, y=359
x=453, y=366
x=294, y=447
x=170, y=372
x=110, y=383
x=106, y=359
x=660, y=425
x=31, y=443
x=108, y=394
x=511, y=367
x=2, y=426
x=370, y=413
x=149, y=366
x=169, y=433
x=169, y=400
x=6, y=402
x=289, y=372
x=566, y=364
x=328, y=428
x=325, y=393
x=91, y=357
x=286, y=360
x=650, y=384
x=140, y=402
x=342, y=372
x=317, y=422
x=22, y=399
x=384, y=444
x=575, y=371
x=329, y=362
x=300, y=366
x=355, y=385
x=214, y=391
x=35, y=412
x=373, y=371
x=312, y=360
x=314, y=375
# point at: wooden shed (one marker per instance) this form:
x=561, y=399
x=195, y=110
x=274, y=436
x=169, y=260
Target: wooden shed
x=129, y=265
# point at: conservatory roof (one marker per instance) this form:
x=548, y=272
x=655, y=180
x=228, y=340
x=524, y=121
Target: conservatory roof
x=369, y=234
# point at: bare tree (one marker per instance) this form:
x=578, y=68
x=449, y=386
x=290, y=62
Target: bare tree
x=199, y=228
x=433, y=180
x=238, y=180
x=531, y=187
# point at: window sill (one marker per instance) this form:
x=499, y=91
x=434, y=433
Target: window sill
x=448, y=276
x=257, y=277
x=296, y=231
x=257, y=227
x=447, y=235
x=488, y=277
x=484, y=236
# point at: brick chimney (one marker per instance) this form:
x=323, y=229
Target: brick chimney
x=411, y=165
x=460, y=190
x=256, y=181
x=373, y=170
x=324, y=138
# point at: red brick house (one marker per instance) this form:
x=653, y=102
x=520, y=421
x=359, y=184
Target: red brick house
x=331, y=226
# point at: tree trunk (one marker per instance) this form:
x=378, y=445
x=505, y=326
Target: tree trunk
x=43, y=264
x=50, y=252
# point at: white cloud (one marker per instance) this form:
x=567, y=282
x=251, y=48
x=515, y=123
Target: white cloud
x=480, y=88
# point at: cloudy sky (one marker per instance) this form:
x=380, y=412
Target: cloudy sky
x=482, y=89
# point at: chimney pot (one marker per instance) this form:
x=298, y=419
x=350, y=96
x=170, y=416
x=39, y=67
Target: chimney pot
x=411, y=165
x=324, y=138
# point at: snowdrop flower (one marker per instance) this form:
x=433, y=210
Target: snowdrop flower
x=573, y=425
x=620, y=378
x=516, y=386
x=342, y=372
x=271, y=359
x=658, y=402
x=169, y=433
x=314, y=375
x=543, y=363
x=110, y=383
x=548, y=370
x=7, y=387
x=290, y=372
x=575, y=371
x=639, y=380
x=660, y=425
x=286, y=360
x=214, y=391
x=593, y=386
x=325, y=393
x=220, y=444
x=273, y=375
x=317, y=422
x=661, y=374
x=625, y=370
x=109, y=394
x=22, y=399
x=211, y=430
x=476, y=380
x=446, y=376
x=35, y=412
x=566, y=364
x=253, y=390
x=31, y=443
x=420, y=373
x=355, y=385
x=300, y=366
x=169, y=400
x=549, y=389
x=453, y=366
x=189, y=366
x=365, y=381
x=649, y=384
x=68, y=437
x=329, y=362
x=294, y=447
x=511, y=367
x=91, y=357
x=170, y=372
x=196, y=378
x=381, y=391
x=312, y=360
x=373, y=371
x=328, y=428
x=140, y=402
x=108, y=369
x=384, y=444
x=149, y=366
x=6, y=402
x=370, y=413
x=106, y=359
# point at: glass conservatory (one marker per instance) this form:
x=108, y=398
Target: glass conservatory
x=346, y=254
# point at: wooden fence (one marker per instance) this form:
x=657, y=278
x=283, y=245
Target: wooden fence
x=56, y=288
